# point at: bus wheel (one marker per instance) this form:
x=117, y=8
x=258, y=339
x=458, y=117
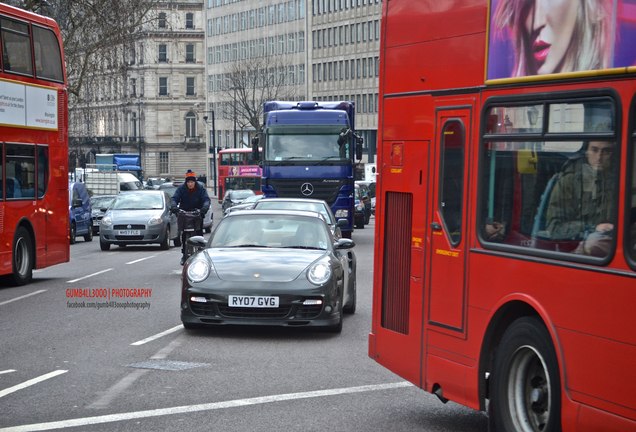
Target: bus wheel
x=526, y=387
x=22, y=258
x=72, y=233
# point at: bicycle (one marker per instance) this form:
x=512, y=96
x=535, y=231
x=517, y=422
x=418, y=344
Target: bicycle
x=190, y=223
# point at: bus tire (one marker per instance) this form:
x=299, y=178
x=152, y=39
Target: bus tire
x=526, y=387
x=22, y=258
x=72, y=233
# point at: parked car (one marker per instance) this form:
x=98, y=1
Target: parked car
x=315, y=205
x=233, y=197
x=79, y=211
x=171, y=187
x=365, y=198
x=359, y=216
x=269, y=267
x=371, y=186
x=247, y=204
x=99, y=203
x=139, y=217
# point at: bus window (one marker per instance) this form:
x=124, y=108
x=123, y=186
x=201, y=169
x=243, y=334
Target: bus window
x=552, y=194
x=43, y=170
x=235, y=158
x=16, y=47
x=452, y=178
x=631, y=202
x=48, y=57
x=20, y=171
x=225, y=159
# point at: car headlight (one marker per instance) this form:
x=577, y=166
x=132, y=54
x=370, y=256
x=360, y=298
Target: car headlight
x=199, y=270
x=155, y=220
x=319, y=273
x=107, y=221
x=342, y=213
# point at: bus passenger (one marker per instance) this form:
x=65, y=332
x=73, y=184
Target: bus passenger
x=582, y=204
x=555, y=36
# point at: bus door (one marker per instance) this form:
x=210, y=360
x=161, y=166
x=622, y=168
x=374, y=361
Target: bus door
x=404, y=221
x=447, y=295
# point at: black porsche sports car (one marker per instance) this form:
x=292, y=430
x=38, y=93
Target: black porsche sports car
x=269, y=267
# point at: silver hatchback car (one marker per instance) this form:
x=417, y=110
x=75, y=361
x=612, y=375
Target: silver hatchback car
x=136, y=218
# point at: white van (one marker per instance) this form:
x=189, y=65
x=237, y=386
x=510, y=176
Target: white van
x=128, y=182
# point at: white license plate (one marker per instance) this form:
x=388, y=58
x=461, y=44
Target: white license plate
x=253, y=301
x=129, y=232
x=96, y=223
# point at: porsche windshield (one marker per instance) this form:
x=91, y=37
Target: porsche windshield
x=315, y=144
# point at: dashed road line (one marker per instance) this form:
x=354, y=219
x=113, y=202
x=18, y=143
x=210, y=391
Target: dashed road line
x=31, y=382
x=7, y=371
x=88, y=276
x=141, y=259
x=21, y=297
x=158, y=335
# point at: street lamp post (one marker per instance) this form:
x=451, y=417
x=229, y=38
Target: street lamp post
x=212, y=149
x=139, y=138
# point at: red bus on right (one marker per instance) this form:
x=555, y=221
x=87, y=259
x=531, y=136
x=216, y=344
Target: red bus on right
x=505, y=255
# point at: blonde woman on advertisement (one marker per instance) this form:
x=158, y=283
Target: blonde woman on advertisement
x=556, y=36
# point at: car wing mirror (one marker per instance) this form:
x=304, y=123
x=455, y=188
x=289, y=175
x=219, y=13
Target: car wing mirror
x=344, y=244
x=197, y=242
x=77, y=202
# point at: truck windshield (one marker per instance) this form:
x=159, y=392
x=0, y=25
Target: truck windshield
x=313, y=144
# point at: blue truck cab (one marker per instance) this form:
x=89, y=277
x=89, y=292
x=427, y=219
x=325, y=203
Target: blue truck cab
x=309, y=151
x=80, y=212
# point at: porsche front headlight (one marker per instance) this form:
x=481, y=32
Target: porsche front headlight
x=319, y=273
x=199, y=270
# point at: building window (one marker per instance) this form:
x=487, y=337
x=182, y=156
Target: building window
x=164, y=163
x=243, y=20
x=252, y=18
x=252, y=48
x=191, y=125
x=261, y=47
x=281, y=13
x=162, y=20
x=133, y=87
x=281, y=44
x=270, y=15
x=190, y=86
x=235, y=22
x=243, y=50
x=272, y=47
x=190, y=54
x=261, y=17
x=163, y=86
x=163, y=53
x=301, y=9
x=291, y=74
x=290, y=11
x=189, y=20
x=301, y=42
x=234, y=51
x=301, y=74
x=364, y=68
x=210, y=83
x=210, y=55
x=291, y=42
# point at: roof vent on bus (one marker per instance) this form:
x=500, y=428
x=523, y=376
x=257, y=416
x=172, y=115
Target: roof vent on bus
x=307, y=105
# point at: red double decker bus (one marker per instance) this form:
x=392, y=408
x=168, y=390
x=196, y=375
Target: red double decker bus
x=34, y=145
x=505, y=256
x=238, y=170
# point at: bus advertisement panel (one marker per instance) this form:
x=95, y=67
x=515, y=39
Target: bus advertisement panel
x=544, y=38
x=34, y=198
x=505, y=248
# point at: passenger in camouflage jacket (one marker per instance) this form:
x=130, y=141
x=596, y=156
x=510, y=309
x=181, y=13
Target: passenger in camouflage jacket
x=582, y=200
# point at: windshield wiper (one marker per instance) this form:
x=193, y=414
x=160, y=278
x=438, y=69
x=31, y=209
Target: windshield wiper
x=326, y=159
x=303, y=247
x=249, y=245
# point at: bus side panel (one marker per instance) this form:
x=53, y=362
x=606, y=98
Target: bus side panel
x=442, y=64
x=428, y=20
x=402, y=218
x=595, y=337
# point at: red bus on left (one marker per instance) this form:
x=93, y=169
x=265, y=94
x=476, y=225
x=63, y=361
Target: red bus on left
x=33, y=144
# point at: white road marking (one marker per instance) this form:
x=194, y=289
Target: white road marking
x=31, y=382
x=7, y=371
x=90, y=275
x=121, y=386
x=201, y=407
x=21, y=297
x=141, y=259
x=158, y=335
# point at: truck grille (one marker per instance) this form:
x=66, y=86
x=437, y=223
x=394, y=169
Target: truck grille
x=323, y=189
